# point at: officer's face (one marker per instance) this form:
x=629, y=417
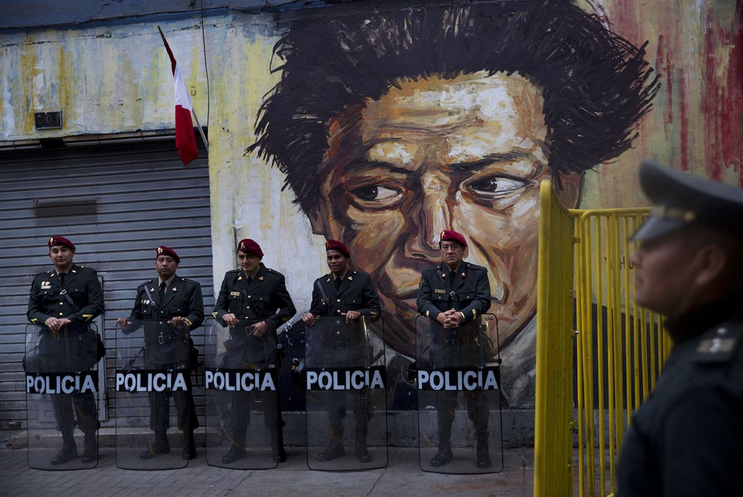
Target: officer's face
x=664, y=272
x=465, y=154
x=248, y=262
x=337, y=262
x=452, y=253
x=61, y=256
x=166, y=266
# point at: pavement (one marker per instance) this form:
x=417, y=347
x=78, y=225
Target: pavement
x=402, y=477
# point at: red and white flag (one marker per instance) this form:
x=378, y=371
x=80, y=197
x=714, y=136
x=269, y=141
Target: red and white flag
x=185, y=139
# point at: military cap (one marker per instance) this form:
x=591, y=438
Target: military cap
x=60, y=240
x=249, y=247
x=452, y=236
x=163, y=250
x=339, y=246
x=680, y=199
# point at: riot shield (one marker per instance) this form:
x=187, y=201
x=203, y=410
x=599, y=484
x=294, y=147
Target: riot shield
x=459, y=402
x=155, y=362
x=345, y=377
x=61, y=396
x=242, y=402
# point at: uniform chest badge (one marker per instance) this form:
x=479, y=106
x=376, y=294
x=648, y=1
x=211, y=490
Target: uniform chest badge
x=439, y=290
x=46, y=285
x=145, y=302
x=234, y=294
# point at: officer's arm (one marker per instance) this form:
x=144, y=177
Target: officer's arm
x=481, y=303
x=222, y=306
x=34, y=313
x=316, y=304
x=701, y=443
x=94, y=307
x=425, y=305
x=195, y=306
x=135, y=317
x=372, y=307
x=283, y=301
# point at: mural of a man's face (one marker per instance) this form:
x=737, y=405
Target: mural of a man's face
x=466, y=154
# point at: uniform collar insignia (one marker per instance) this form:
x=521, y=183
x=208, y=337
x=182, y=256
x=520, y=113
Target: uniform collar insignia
x=350, y=278
x=328, y=280
x=175, y=289
x=260, y=278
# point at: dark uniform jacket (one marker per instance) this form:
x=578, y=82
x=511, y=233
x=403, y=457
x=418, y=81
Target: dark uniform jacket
x=166, y=343
x=49, y=298
x=686, y=439
x=333, y=341
x=355, y=293
x=467, y=291
x=440, y=290
x=81, y=284
x=264, y=299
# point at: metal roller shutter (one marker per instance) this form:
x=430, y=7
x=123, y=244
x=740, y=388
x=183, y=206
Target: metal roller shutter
x=116, y=202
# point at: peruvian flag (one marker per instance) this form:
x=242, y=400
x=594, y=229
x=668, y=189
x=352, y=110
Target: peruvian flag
x=185, y=139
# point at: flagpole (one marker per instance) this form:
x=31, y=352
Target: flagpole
x=201, y=131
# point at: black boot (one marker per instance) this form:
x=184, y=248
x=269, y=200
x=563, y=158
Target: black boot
x=235, y=453
x=277, y=444
x=362, y=452
x=90, y=455
x=68, y=452
x=189, y=446
x=161, y=446
x=483, y=450
x=443, y=455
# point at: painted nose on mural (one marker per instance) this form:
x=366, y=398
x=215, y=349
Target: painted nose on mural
x=425, y=222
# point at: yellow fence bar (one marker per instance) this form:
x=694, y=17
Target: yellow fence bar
x=585, y=282
x=553, y=447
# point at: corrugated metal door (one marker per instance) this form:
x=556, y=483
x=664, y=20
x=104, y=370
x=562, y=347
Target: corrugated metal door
x=116, y=202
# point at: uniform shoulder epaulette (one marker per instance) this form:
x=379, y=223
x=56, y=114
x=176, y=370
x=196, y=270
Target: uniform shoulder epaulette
x=719, y=345
x=474, y=266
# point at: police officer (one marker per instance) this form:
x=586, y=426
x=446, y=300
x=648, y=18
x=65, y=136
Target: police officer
x=256, y=296
x=170, y=308
x=453, y=295
x=63, y=302
x=351, y=295
x=687, y=437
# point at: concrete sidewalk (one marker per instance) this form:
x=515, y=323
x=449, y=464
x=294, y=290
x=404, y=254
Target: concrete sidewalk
x=401, y=478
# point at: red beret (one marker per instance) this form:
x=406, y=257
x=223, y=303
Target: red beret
x=452, y=236
x=249, y=247
x=60, y=240
x=339, y=246
x=163, y=250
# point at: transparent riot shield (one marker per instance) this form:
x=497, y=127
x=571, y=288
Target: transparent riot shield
x=61, y=396
x=459, y=402
x=242, y=402
x=346, y=404
x=155, y=362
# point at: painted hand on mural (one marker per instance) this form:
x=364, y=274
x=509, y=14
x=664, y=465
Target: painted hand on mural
x=392, y=125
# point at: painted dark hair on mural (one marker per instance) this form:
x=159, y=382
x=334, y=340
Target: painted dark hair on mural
x=596, y=85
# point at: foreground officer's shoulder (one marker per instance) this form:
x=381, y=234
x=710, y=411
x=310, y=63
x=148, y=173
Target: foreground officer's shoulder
x=430, y=270
x=273, y=274
x=720, y=346
x=476, y=268
x=359, y=276
x=190, y=282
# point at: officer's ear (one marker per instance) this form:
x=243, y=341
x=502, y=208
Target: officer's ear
x=711, y=262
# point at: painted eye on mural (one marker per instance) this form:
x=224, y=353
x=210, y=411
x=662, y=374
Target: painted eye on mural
x=495, y=186
x=376, y=196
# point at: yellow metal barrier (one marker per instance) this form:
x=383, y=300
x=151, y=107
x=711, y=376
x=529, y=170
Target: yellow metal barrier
x=620, y=347
x=553, y=447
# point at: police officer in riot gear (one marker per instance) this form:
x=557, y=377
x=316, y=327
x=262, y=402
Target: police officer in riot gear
x=687, y=437
x=256, y=296
x=350, y=294
x=63, y=302
x=453, y=295
x=170, y=308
